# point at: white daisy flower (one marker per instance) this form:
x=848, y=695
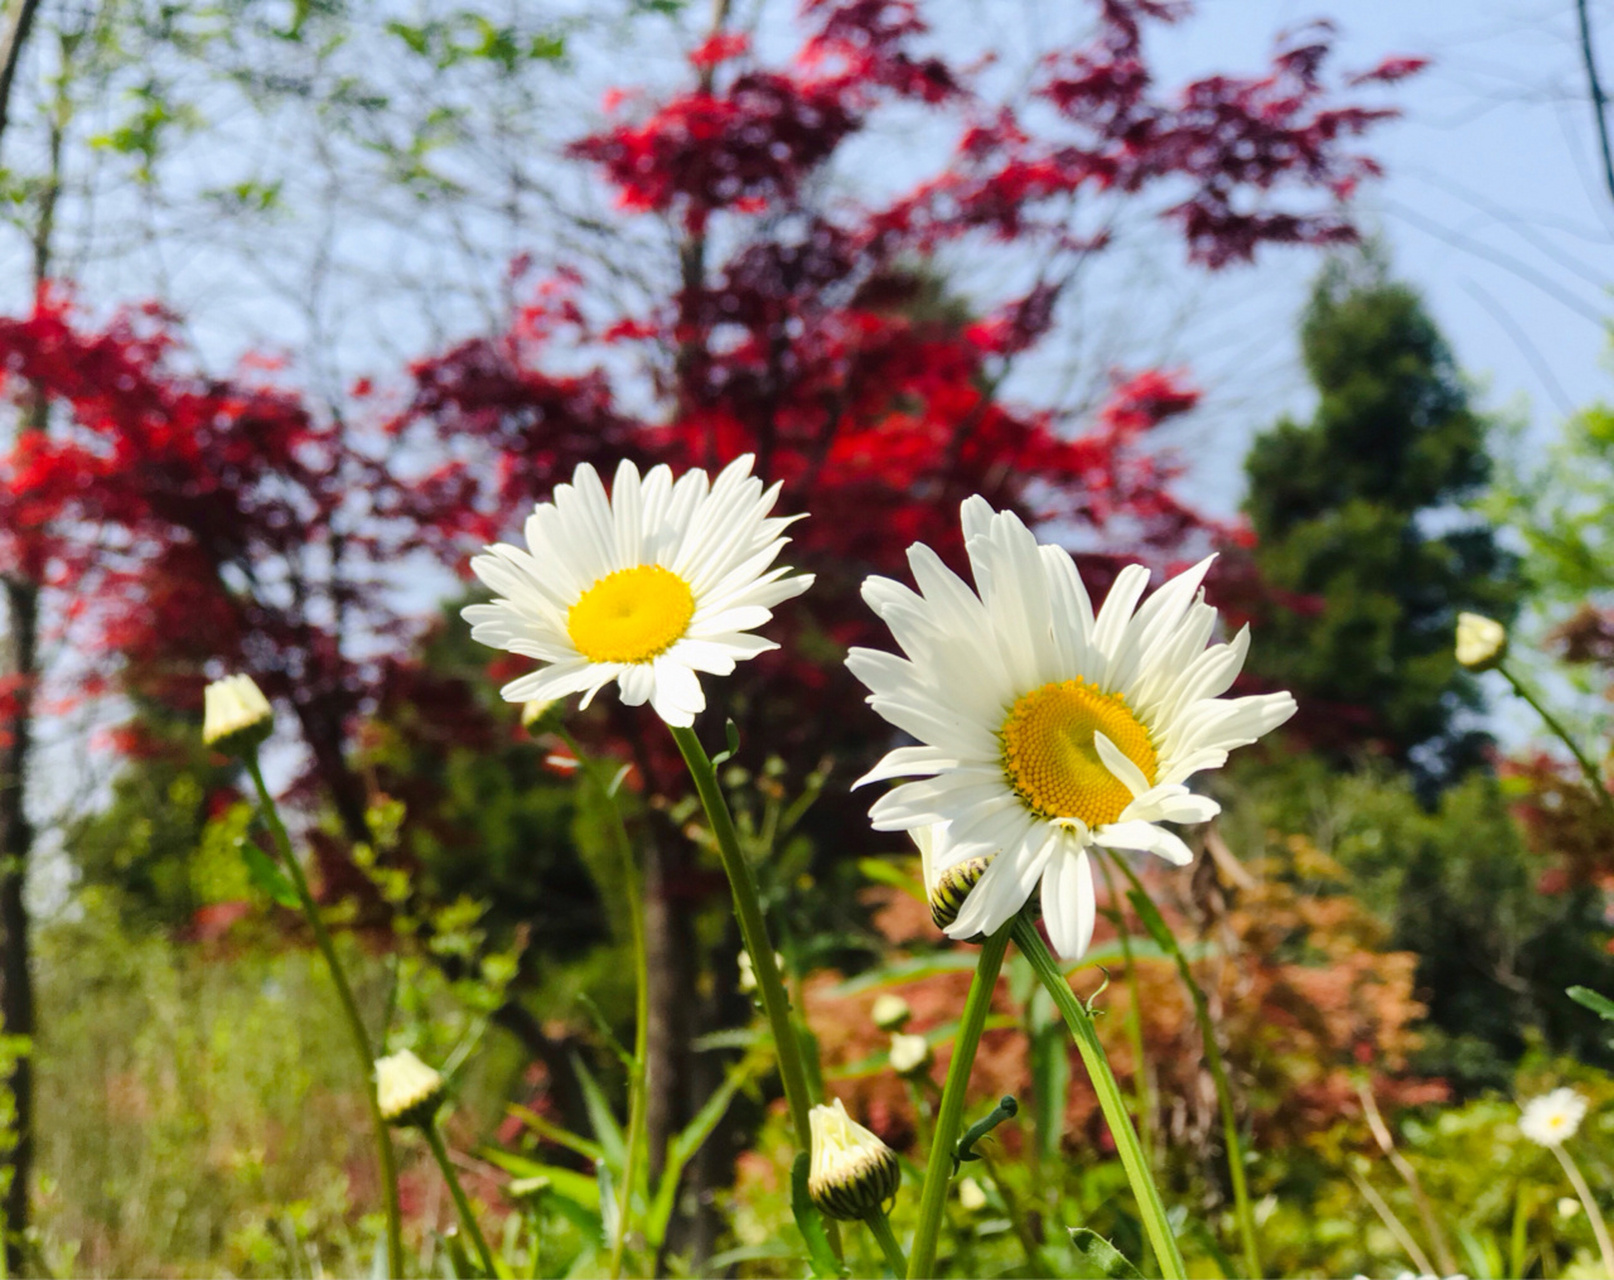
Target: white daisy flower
x=1044, y=729
x=647, y=587
x=1552, y=1118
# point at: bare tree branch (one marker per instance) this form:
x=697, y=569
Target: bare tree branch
x=19, y=18
x=1599, y=98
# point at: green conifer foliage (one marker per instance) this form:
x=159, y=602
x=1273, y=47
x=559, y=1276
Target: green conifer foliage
x=1362, y=538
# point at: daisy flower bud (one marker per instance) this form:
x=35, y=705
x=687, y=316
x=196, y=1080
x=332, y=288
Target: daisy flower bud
x=947, y=889
x=910, y=1055
x=236, y=716
x=408, y=1091
x=970, y=1196
x=1482, y=642
x=542, y=715
x=747, y=981
x=852, y=1173
x=1552, y=1118
x=890, y=1012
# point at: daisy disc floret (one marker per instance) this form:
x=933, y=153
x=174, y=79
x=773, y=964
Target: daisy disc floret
x=1552, y=1118
x=649, y=586
x=1045, y=728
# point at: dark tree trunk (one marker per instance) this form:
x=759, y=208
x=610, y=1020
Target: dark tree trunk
x=16, y=843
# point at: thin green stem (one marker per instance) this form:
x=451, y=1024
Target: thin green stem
x=1231, y=1143
x=754, y=932
x=880, y=1225
x=1599, y=1227
x=1017, y=1216
x=1142, y=1109
x=350, y=1009
x=1594, y=777
x=435, y=1138
x=638, y=1082
x=1110, y=1100
x=950, y=1115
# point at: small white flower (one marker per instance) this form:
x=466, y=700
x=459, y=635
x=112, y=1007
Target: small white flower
x=890, y=1012
x=407, y=1090
x=910, y=1054
x=1045, y=729
x=1568, y=1206
x=235, y=714
x=970, y=1196
x=1481, y=642
x=852, y=1172
x=1552, y=1118
x=647, y=587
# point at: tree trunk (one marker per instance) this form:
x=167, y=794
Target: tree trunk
x=16, y=843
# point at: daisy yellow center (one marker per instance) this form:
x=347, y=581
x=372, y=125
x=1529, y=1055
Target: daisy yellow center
x=1052, y=762
x=631, y=615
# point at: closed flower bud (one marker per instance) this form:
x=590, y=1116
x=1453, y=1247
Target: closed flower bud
x=947, y=889
x=1482, y=642
x=890, y=1013
x=236, y=716
x=408, y=1091
x=970, y=1195
x=910, y=1055
x=852, y=1173
x=747, y=981
x=539, y=718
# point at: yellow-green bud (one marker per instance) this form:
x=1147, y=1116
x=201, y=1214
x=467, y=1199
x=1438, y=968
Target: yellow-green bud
x=910, y=1055
x=539, y=718
x=408, y=1091
x=1482, y=642
x=852, y=1173
x=890, y=1012
x=236, y=717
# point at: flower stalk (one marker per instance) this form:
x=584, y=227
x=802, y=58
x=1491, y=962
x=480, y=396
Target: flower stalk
x=359, y=1035
x=1231, y=1143
x=950, y=1115
x=1593, y=1213
x=880, y=1226
x=434, y=1139
x=1080, y=1022
x=639, y=1071
x=754, y=932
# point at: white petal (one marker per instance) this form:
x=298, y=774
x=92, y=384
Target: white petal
x=1144, y=836
x=677, y=696
x=1118, y=763
x=1069, y=904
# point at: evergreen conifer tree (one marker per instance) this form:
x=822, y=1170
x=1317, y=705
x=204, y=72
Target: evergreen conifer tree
x=1361, y=538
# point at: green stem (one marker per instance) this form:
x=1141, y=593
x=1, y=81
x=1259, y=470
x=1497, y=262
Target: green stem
x=939, y=1168
x=878, y=1223
x=1088, y=1045
x=754, y=931
x=1134, y=1018
x=638, y=1082
x=1231, y=1143
x=1593, y=776
x=350, y=1009
x=435, y=1138
x=1599, y=1227
x=1017, y=1217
